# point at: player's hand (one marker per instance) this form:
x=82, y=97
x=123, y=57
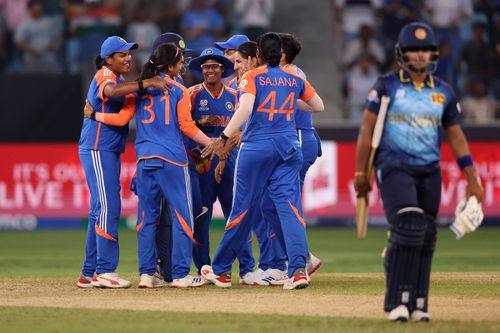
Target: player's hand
x=235, y=140
x=214, y=147
x=219, y=169
x=87, y=109
x=156, y=82
x=210, y=120
x=361, y=185
x=474, y=188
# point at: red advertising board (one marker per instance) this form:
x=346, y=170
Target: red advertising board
x=47, y=180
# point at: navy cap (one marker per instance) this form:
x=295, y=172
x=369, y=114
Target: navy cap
x=211, y=53
x=416, y=34
x=232, y=43
x=170, y=37
x=116, y=44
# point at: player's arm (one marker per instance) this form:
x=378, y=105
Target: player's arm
x=311, y=98
x=121, y=118
x=363, y=145
x=114, y=90
x=186, y=123
x=460, y=148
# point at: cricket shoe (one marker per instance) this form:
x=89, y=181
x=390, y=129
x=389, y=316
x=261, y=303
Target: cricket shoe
x=312, y=264
x=399, y=313
x=272, y=277
x=199, y=281
x=84, y=281
x=186, y=282
x=299, y=280
x=151, y=281
x=419, y=315
x=109, y=281
x=223, y=280
x=249, y=278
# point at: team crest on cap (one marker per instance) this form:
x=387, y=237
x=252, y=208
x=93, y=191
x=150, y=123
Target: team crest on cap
x=182, y=45
x=229, y=106
x=420, y=33
x=209, y=51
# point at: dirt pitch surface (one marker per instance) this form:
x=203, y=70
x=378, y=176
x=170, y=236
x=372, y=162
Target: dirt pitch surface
x=61, y=293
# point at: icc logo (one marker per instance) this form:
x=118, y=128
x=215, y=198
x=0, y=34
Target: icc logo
x=203, y=105
x=243, y=84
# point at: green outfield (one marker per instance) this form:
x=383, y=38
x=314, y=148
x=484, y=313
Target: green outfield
x=38, y=272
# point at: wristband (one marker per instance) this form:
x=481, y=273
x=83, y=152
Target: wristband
x=142, y=91
x=92, y=115
x=359, y=173
x=465, y=161
x=224, y=137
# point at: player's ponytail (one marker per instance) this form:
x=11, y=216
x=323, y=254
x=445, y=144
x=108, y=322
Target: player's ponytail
x=99, y=62
x=270, y=48
x=165, y=55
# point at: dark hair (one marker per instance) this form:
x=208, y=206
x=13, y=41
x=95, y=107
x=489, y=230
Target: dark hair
x=165, y=55
x=291, y=46
x=31, y=3
x=270, y=45
x=248, y=49
x=99, y=62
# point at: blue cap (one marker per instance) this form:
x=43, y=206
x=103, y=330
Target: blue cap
x=416, y=34
x=211, y=53
x=116, y=44
x=170, y=37
x=232, y=43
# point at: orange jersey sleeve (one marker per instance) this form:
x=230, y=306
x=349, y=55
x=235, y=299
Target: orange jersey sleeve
x=309, y=91
x=247, y=83
x=103, y=77
x=186, y=123
x=126, y=113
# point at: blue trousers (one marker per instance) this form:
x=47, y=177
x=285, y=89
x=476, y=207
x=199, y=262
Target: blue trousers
x=102, y=171
x=157, y=179
x=273, y=255
x=271, y=165
x=210, y=191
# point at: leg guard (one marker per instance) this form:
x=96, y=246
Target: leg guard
x=402, y=259
x=420, y=298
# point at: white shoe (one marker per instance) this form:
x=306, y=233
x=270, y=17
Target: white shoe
x=84, y=281
x=270, y=277
x=151, y=281
x=299, y=280
x=419, y=315
x=223, y=280
x=109, y=280
x=199, y=281
x=249, y=278
x=399, y=313
x=312, y=264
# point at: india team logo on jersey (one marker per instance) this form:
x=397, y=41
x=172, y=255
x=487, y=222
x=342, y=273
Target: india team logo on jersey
x=229, y=106
x=203, y=105
x=438, y=98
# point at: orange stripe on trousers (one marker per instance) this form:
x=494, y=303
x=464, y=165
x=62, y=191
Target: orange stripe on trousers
x=186, y=228
x=236, y=221
x=296, y=212
x=103, y=233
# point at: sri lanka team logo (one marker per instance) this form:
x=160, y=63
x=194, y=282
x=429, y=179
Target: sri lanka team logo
x=438, y=98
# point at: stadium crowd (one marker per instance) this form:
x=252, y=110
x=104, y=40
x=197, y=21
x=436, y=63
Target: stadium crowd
x=65, y=36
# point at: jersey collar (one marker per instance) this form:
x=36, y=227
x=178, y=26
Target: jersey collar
x=210, y=93
x=404, y=77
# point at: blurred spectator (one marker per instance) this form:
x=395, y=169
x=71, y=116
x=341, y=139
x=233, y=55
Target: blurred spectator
x=201, y=25
x=352, y=14
x=474, y=55
x=479, y=107
x=365, y=43
x=445, y=17
x=89, y=23
x=396, y=14
x=142, y=31
x=38, y=40
x=359, y=82
x=254, y=16
x=13, y=12
x=444, y=68
x=495, y=58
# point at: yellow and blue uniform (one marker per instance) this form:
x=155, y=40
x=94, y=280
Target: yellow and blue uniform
x=100, y=147
x=205, y=104
x=269, y=159
x=409, y=178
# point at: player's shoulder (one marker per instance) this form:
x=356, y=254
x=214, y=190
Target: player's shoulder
x=440, y=84
x=254, y=72
x=193, y=90
x=230, y=90
x=294, y=70
x=105, y=74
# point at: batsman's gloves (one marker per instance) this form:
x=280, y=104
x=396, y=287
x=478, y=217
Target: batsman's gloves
x=468, y=216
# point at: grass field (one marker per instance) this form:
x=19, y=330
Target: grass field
x=38, y=272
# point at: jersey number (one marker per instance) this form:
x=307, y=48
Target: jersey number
x=149, y=108
x=269, y=105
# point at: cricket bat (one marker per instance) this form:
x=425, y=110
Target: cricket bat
x=362, y=202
